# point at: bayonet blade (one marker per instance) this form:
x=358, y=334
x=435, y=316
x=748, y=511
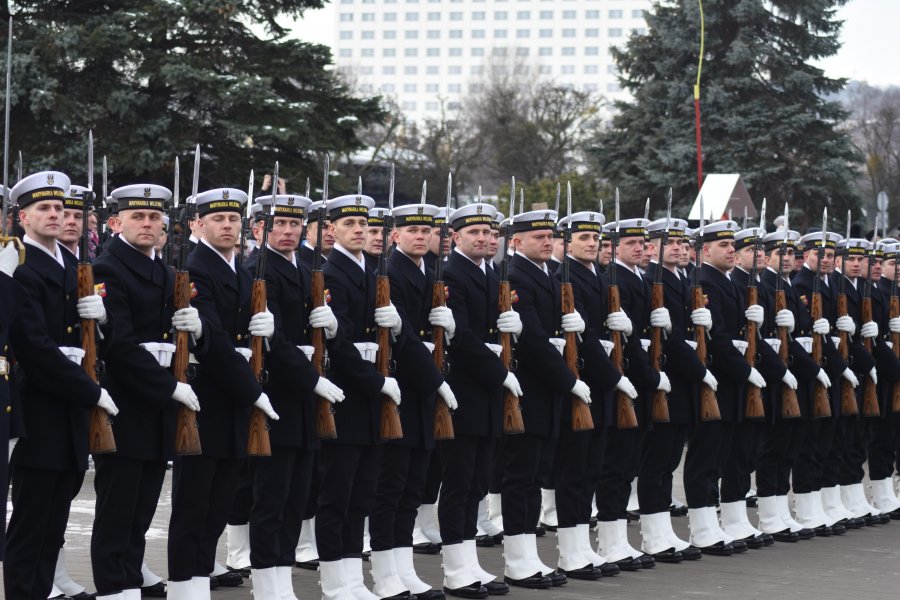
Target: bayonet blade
x=90, y=165
x=175, y=187
x=512, y=200
x=849, y=216
x=521, y=200
x=824, y=225
x=617, y=213
x=762, y=219
x=669, y=210
x=449, y=193
x=195, y=182
x=569, y=202
x=359, y=187
x=391, y=188
x=325, y=179
x=105, y=182
x=250, y=195
x=647, y=209
x=744, y=222
x=556, y=207
x=424, y=191
x=702, y=215
x=19, y=168
x=307, y=187
x=274, y=185
x=786, y=226
x=6, y=126
x=478, y=197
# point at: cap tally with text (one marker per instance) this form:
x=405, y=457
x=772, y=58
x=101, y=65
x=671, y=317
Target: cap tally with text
x=286, y=205
x=853, y=247
x=497, y=223
x=628, y=227
x=478, y=213
x=534, y=220
x=75, y=197
x=377, y=216
x=46, y=185
x=256, y=213
x=441, y=217
x=350, y=205
x=415, y=214
x=676, y=228
x=220, y=200
x=811, y=241
x=583, y=221
x=142, y=197
x=312, y=212
x=747, y=237
x=775, y=239
x=719, y=230
x=890, y=249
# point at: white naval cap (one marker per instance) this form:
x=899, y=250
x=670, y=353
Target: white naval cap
x=774, y=240
x=628, y=227
x=479, y=213
x=141, y=197
x=350, y=205
x=378, y=215
x=415, y=214
x=586, y=220
x=46, y=185
x=853, y=246
x=286, y=205
x=719, y=230
x=676, y=228
x=813, y=240
x=534, y=220
x=747, y=237
x=75, y=197
x=220, y=200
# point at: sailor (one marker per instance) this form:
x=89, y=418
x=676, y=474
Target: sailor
x=308, y=247
x=374, y=238
x=432, y=254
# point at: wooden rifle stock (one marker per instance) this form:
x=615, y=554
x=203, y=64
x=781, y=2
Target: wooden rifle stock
x=391, y=428
x=258, y=443
x=790, y=407
x=849, y=406
x=581, y=412
x=100, y=437
x=626, y=418
x=753, y=404
x=895, y=342
x=512, y=408
x=821, y=404
x=870, y=389
x=709, y=404
x=660, y=408
x=443, y=422
x=325, y=427
x=187, y=435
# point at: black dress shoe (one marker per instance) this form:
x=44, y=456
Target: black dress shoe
x=884, y=518
x=854, y=523
x=628, y=564
x=895, y=514
x=678, y=511
x=498, y=539
x=806, y=534
x=647, y=561
x=548, y=527
x=838, y=529
x=609, y=569
x=785, y=535
x=668, y=556
x=557, y=578
x=366, y=555
x=476, y=590
x=593, y=520
x=588, y=573
x=496, y=588
x=229, y=579
x=535, y=582
x=213, y=582
x=157, y=590
x=402, y=596
x=244, y=572
x=767, y=539
x=426, y=548
x=539, y=531
x=691, y=553
x=752, y=501
x=754, y=541
x=430, y=595
x=739, y=546
x=484, y=541
x=823, y=531
x=718, y=549
x=871, y=519
x=309, y=565
x=83, y=595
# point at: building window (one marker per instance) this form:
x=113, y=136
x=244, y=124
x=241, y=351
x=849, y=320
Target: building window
x=346, y=1
x=638, y=13
x=615, y=14
x=500, y=15
x=432, y=106
x=432, y=70
x=410, y=70
x=345, y=53
x=545, y=69
x=590, y=87
x=592, y=14
x=455, y=70
x=390, y=16
x=592, y=51
x=568, y=33
x=545, y=33
x=366, y=70
x=476, y=70
x=434, y=34
x=521, y=51
x=389, y=53
x=411, y=34
x=453, y=106
x=498, y=51
x=568, y=14
x=455, y=34
x=615, y=32
x=456, y=16
x=454, y=88
x=366, y=88
x=455, y=52
x=388, y=88
x=545, y=51
x=368, y=17
x=478, y=15
x=477, y=52
x=409, y=105
x=591, y=70
x=409, y=88
x=499, y=33
x=567, y=69
x=613, y=87
x=411, y=52
x=346, y=17
x=433, y=52
x=432, y=88
x=388, y=70
x=476, y=88
x=546, y=15
x=368, y=35
x=523, y=33
x=434, y=16
x=412, y=16
x=640, y=31
x=390, y=34
x=346, y=35
x=523, y=15
x=368, y=52
x=568, y=51
x=477, y=34
x=591, y=33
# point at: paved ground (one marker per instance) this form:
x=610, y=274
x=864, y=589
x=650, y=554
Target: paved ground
x=862, y=564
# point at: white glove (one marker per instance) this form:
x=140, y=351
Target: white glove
x=789, y=380
x=874, y=375
x=846, y=324
x=9, y=259
x=754, y=313
x=391, y=389
x=850, y=376
x=388, y=317
x=701, y=317
x=664, y=383
x=512, y=384
x=572, y=323
x=184, y=394
x=660, y=318
x=106, y=403
x=710, y=380
x=325, y=389
x=188, y=319
x=262, y=324
x=625, y=386
x=785, y=318
x=448, y=396
x=323, y=317
x=823, y=378
x=822, y=327
x=619, y=321
x=263, y=404
x=91, y=307
x=582, y=390
x=755, y=378
x=510, y=322
x=441, y=316
x=869, y=330
x=893, y=324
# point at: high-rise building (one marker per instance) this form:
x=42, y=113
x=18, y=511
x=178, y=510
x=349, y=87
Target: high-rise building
x=428, y=52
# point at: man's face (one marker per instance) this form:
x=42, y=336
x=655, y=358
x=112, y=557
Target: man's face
x=142, y=228
x=436, y=240
x=374, y=239
x=285, y=234
x=412, y=240
x=888, y=268
x=719, y=254
x=537, y=246
x=73, y=222
x=494, y=243
x=163, y=238
x=744, y=257
x=876, y=268
x=852, y=266
x=671, y=253
x=686, y=254
x=605, y=253
x=558, y=248
x=473, y=241
x=42, y=219
x=312, y=235
x=584, y=246
x=221, y=230
x=257, y=231
x=774, y=258
x=631, y=250
x=650, y=252
x=812, y=258
x=350, y=232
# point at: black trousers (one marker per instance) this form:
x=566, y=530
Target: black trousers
x=882, y=447
x=834, y=462
x=739, y=460
x=497, y=467
x=858, y=434
x=521, y=487
x=572, y=481
x=401, y=481
x=280, y=489
x=243, y=495
x=663, y=447
x=815, y=445
x=706, y=441
x=127, y=495
x=433, y=478
x=41, y=500
x=781, y=445
x=616, y=473
x=312, y=499
x=467, y=461
x=348, y=476
x=203, y=489
x=596, y=454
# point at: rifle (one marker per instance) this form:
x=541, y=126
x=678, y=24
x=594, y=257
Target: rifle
x=173, y=219
x=753, y=405
x=660, y=407
x=258, y=443
x=821, y=403
x=895, y=337
x=187, y=433
x=709, y=405
x=391, y=427
x=245, y=221
x=325, y=427
x=512, y=408
x=7, y=235
x=100, y=436
x=849, y=406
x=626, y=418
x=581, y=412
x=443, y=423
x=870, y=391
x=790, y=407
